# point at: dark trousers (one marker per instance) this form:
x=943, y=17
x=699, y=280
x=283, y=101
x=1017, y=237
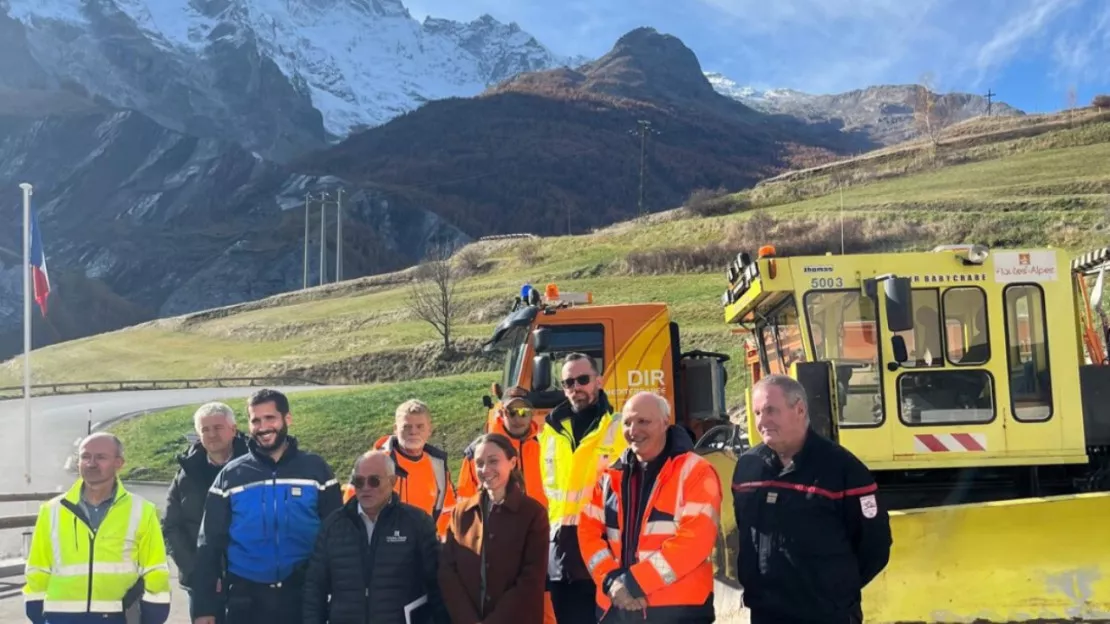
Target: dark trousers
x=252, y=603
x=574, y=602
x=220, y=619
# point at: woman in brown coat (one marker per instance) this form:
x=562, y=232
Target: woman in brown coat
x=494, y=561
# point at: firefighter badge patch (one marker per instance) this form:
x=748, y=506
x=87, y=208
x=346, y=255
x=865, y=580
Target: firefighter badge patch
x=869, y=505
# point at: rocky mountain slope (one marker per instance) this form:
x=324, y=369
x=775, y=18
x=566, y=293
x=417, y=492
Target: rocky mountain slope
x=550, y=151
x=884, y=112
x=151, y=222
x=280, y=77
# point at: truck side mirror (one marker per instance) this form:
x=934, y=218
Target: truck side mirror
x=899, y=309
x=898, y=346
x=541, y=339
x=541, y=373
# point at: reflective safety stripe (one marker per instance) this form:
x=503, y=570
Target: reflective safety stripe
x=78, y=606
x=611, y=433
x=35, y=570
x=613, y=535
x=694, y=509
x=597, y=558
x=55, y=539
x=132, y=527
x=439, y=468
x=98, y=567
x=549, y=459
x=568, y=520
x=593, y=511
x=660, y=527
x=159, y=598
x=34, y=597
x=312, y=483
x=662, y=567
x=156, y=568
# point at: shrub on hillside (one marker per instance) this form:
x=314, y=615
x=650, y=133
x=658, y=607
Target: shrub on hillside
x=705, y=202
x=1101, y=101
x=471, y=262
x=790, y=237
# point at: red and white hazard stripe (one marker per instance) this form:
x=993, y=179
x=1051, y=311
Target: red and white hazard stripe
x=949, y=442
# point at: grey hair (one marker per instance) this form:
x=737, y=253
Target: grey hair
x=215, y=407
x=390, y=466
x=104, y=434
x=792, y=391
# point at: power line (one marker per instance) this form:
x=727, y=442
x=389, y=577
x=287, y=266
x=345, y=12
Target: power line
x=645, y=129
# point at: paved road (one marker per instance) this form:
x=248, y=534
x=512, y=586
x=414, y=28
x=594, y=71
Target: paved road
x=57, y=422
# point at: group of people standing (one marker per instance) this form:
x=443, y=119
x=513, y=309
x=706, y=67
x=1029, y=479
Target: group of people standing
x=593, y=516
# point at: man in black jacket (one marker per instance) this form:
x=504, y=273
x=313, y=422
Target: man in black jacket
x=812, y=532
x=220, y=441
x=377, y=558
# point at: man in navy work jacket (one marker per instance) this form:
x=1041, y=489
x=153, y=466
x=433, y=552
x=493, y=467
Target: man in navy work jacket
x=261, y=520
x=813, y=533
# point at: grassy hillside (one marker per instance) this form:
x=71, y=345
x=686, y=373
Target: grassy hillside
x=1029, y=185
x=338, y=424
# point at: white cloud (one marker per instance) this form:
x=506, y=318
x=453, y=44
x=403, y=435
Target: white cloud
x=1081, y=58
x=1028, y=24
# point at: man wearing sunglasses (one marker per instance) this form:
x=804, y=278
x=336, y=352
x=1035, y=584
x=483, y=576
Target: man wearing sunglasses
x=377, y=558
x=516, y=422
x=580, y=438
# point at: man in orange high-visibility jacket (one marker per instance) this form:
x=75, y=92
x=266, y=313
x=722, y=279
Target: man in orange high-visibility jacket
x=423, y=479
x=516, y=422
x=648, y=532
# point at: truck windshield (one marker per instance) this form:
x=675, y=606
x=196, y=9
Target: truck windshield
x=843, y=330
x=780, y=339
x=514, y=344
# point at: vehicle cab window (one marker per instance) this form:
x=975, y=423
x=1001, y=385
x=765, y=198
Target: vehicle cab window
x=948, y=341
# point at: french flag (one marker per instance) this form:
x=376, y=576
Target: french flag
x=39, y=276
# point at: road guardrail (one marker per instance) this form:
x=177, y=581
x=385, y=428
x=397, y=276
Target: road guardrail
x=11, y=568
x=152, y=384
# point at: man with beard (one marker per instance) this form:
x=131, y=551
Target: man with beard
x=220, y=442
x=579, y=439
x=261, y=519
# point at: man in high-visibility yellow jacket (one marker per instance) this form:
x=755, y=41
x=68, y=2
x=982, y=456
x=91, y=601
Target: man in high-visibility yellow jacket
x=579, y=439
x=97, y=529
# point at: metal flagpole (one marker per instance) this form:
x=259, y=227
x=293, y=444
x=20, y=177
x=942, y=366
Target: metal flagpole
x=27, y=188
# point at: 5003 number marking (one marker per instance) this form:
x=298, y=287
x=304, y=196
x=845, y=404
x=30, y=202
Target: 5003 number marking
x=826, y=282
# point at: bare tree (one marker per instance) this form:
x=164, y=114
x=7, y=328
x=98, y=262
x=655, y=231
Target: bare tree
x=432, y=294
x=928, y=115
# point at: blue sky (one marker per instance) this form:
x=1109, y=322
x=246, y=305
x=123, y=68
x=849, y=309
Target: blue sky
x=1029, y=52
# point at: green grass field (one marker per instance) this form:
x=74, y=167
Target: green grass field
x=338, y=424
x=1048, y=187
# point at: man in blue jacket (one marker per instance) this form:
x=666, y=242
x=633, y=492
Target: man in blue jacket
x=261, y=519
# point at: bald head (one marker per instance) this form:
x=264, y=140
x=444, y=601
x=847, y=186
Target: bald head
x=103, y=441
x=375, y=461
x=645, y=419
x=100, y=458
x=649, y=404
